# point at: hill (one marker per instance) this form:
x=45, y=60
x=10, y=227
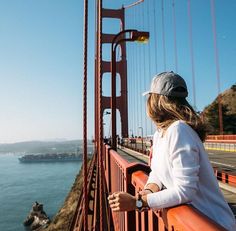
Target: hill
x=211, y=113
x=229, y=99
x=34, y=147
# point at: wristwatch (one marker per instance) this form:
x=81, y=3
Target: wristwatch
x=139, y=202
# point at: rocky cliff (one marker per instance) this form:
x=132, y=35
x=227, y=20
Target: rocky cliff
x=63, y=219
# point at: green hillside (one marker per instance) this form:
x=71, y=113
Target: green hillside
x=211, y=113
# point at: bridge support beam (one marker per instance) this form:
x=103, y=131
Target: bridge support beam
x=121, y=67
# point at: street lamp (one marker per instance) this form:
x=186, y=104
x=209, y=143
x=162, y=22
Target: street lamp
x=142, y=136
x=131, y=133
x=134, y=35
x=105, y=113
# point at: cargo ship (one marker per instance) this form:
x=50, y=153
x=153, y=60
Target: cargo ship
x=51, y=157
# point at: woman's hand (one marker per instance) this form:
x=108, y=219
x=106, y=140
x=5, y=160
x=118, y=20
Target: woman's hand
x=122, y=201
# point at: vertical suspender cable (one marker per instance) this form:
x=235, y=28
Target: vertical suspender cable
x=144, y=71
x=135, y=75
x=217, y=65
x=175, y=38
x=149, y=53
x=155, y=34
x=132, y=88
x=100, y=138
x=130, y=73
x=140, y=84
x=128, y=90
x=191, y=52
x=130, y=77
x=136, y=83
x=163, y=34
x=85, y=207
x=133, y=79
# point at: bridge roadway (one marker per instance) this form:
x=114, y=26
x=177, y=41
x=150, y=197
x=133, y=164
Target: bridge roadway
x=217, y=158
x=221, y=159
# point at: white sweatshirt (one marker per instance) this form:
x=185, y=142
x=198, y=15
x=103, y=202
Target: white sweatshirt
x=181, y=164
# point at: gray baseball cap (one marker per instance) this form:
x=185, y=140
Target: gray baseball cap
x=168, y=84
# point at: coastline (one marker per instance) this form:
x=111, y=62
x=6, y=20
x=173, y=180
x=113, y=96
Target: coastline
x=63, y=218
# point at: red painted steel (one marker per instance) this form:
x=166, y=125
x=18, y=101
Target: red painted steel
x=102, y=102
x=100, y=119
x=77, y=221
x=99, y=222
x=118, y=176
x=226, y=177
x=121, y=68
x=85, y=194
x=221, y=141
x=221, y=138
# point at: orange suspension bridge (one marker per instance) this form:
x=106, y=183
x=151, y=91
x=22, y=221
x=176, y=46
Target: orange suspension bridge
x=121, y=164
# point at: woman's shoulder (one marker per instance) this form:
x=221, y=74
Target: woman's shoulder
x=180, y=130
x=179, y=126
x=156, y=135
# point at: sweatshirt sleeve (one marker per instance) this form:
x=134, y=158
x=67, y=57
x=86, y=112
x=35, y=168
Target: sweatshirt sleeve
x=184, y=162
x=153, y=179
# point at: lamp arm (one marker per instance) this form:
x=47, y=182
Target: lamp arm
x=119, y=42
x=120, y=33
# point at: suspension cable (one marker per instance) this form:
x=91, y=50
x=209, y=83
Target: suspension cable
x=136, y=81
x=85, y=207
x=133, y=4
x=149, y=54
x=217, y=65
x=155, y=34
x=144, y=73
x=139, y=108
x=175, y=39
x=163, y=34
x=100, y=116
x=191, y=52
x=131, y=78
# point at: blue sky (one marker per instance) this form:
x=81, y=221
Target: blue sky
x=41, y=61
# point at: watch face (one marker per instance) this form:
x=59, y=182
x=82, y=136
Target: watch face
x=139, y=204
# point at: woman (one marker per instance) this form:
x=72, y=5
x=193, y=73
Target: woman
x=180, y=169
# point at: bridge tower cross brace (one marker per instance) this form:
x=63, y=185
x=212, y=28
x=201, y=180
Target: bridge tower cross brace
x=121, y=67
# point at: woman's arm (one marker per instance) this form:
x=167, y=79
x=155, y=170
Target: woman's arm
x=151, y=187
x=183, y=156
x=122, y=201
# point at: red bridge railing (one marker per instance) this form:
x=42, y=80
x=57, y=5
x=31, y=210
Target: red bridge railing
x=225, y=176
x=222, y=138
x=131, y=177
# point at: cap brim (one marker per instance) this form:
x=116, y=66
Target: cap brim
x=146, y=93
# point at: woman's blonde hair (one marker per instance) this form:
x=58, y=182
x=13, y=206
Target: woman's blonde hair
x=164, y=110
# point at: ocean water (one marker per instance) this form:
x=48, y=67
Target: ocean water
x=23, y=184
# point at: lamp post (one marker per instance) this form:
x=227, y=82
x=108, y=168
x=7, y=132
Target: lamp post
x=131, y=133
x=134, y=35
x=105, y=113
x=141, y=136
